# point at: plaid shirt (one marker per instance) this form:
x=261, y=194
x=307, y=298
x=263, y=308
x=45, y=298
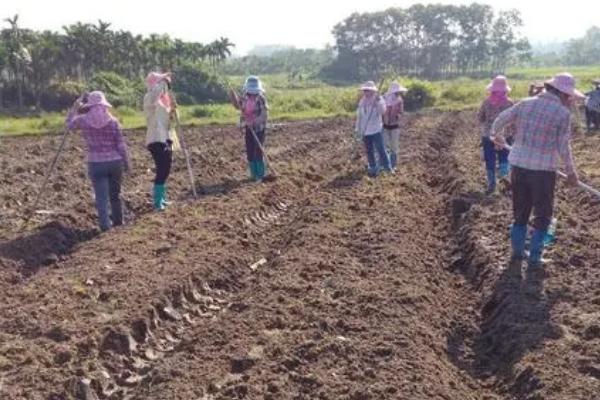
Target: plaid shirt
x=543, y=133
x=104, y=144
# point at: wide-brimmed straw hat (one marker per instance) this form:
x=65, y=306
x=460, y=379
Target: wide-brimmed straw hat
x=499, y=84
x=565, y=83
x=395, y=87
x=369, y=86
x=96, y=98
x=253, y=85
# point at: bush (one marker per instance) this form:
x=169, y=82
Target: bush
x=463, y=94
x=420, y=94
x=61, y=95
x=185, y=99
x=195, y=85
x=201, y=112
x=118, y=90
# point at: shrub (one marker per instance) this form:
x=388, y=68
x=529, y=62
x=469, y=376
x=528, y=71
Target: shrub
x=420, y=94
x=61, y=95
x=119, y=90
x=193, y=84
x=201, y=112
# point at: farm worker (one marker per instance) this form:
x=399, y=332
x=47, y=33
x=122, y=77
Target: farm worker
x=543, y=134
x=391, y=120
x=535, y=89
x=369, y=126
x=496, y=102
x=254, y=113
x=160, y=137
x=107, y=154
x=592, y=107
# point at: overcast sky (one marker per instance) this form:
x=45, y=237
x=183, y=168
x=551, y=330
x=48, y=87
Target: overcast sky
x=304, y=23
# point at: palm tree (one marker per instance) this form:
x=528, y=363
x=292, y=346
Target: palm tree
x=18, y=56
x=3, y=65
x=224, y=45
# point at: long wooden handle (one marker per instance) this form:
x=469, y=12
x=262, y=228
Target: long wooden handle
x=50, y=170
x=188, y=162
x=582, y=185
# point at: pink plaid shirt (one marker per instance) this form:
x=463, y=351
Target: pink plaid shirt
x=543, y=133
x=103, y=144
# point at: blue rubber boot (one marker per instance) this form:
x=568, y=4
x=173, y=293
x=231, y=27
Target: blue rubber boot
x=158, y=196
x=518, y=236
x=504, y=170
x=536, y=247
x=491, y=178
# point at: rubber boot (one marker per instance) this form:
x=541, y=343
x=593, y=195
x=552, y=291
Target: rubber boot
x=252, y=169
x=158, y=195
x=518, y=236
x=491, y=178
x=504, y=170
x=393, y=159
x=260, y=170
x=164, y=201
x=536, y=247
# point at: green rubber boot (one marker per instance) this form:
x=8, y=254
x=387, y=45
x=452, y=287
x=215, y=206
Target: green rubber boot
x=252, y=169
x=158, y=196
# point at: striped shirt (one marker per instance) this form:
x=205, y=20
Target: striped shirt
x=543, y=133
x=103, y=144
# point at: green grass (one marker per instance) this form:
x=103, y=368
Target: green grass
x=292, y=99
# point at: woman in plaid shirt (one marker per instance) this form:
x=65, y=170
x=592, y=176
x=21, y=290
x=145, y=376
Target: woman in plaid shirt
x=107, y=154
x=543, y=134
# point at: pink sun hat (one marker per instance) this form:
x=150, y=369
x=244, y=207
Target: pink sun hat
x=369, y=86
x=565, y=82
x=96, y=98
x=499, y=84
x=154, y=78
x=395, y=87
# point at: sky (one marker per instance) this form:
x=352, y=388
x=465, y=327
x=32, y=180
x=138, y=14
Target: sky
x=304, y=23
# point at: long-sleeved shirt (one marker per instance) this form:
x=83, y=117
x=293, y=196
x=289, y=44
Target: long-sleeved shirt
x=369, y=117
x=592, y=100
x=543, y=133
x=488, y=112
x=391, y=117
x=103, y=144
x=254, y=111
x=158, y=122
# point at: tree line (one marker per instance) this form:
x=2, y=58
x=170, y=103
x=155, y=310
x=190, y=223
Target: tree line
x=429, y=41
x=31, y=62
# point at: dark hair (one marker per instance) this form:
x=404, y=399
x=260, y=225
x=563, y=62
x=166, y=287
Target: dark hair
x=553, y=90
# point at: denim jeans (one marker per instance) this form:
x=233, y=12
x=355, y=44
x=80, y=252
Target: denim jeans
x=106, y=180
x=491, y=153
x=374, y=143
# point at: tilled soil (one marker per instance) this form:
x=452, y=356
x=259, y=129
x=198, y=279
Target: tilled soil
x=324, y=284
